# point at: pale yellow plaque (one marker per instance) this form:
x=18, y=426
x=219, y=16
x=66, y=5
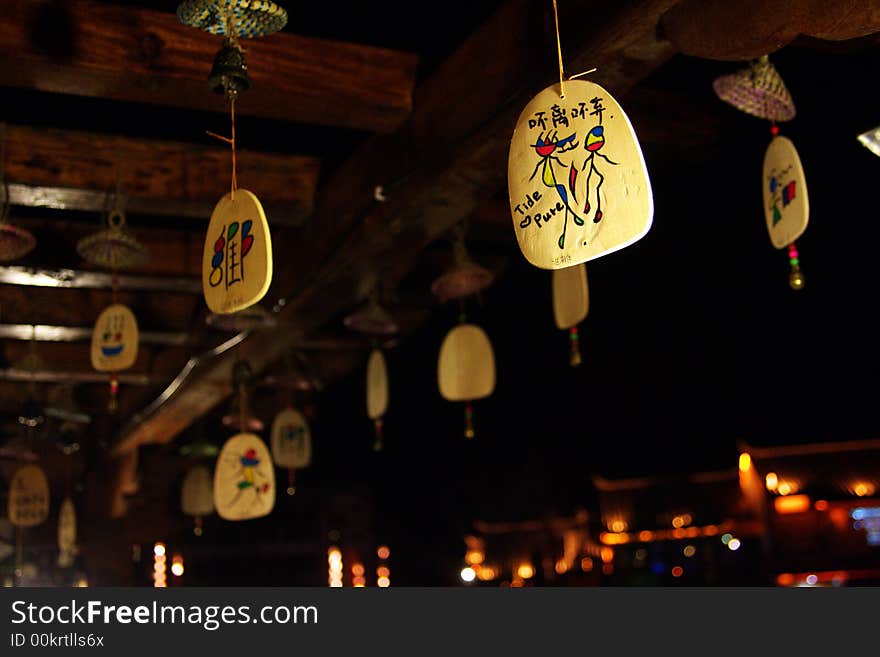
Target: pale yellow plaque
x=571, y=296
x=66, y=533
x=577, y=180
x=237, y=258
x=197, y=492
x=291, y=440
x=115, y=339
x=786, y=204
x=377, y=385
x=244, y=478
x=28, y=497
x=466, y=367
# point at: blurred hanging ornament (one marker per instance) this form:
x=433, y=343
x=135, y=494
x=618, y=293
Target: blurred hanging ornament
x=466, y=368
x=28, y=504
x=114, y=345
x=237, y=262
x=757, y=90
x=114, y=247
x=371, y=318
x=67, y=548
x=377, y=393
x=464, y=277
x=15, y=242
x=291, y=444
x=244, y=479
x=374, y=320
x=197, y=495
x=239, y=413
x=571, y=303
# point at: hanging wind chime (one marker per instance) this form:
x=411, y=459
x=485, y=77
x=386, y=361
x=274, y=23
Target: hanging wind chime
x=571, y=303
x=466, y=364
x=759, y=90
x=115, y=336
x=291, y=444
x=577, y=180
x=466, y=369
x=237, y=260
x=67, y=548
x=244, y=477
x=197, y=495
x=374, y=320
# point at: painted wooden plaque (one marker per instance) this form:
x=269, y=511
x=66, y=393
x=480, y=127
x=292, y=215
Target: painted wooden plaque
x=197, y=492
x=466, y=367
x=291, y=440
x=28, y=497
x=577, y=180
x=786, y=204
x=237, y=259
x=66, y=533
x=377, y=385
x=244, y=478
x=571, y=296
x=115, y=339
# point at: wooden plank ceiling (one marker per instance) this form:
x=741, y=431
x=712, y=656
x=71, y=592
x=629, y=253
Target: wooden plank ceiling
x=422, y=158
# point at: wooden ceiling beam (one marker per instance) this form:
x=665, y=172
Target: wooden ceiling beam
x=78, y=170
x=130, y=54
x=434, y=171
x=747, y=29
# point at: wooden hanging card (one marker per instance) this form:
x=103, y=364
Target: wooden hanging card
x=786, y=204
x=377, y=385
x=28, y=497
x=577, y=180
x=115, y=339
x=197, y=492
x=571, y=296
x=244, y=479
x=237, y=260
x=291, y=440
x=66, y=533
x=466, y=366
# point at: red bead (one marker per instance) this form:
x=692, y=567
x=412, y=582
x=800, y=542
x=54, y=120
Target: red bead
x=774, y=130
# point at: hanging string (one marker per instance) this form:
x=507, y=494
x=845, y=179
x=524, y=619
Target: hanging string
x=559, y=52
x=231, y=142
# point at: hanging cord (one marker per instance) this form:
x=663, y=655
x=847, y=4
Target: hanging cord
x=231, y=142
x=559, y=52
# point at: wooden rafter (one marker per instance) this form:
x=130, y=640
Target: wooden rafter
x=131, y=54
x=160, y=177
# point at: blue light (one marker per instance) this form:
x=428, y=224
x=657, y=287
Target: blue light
x=865, y=512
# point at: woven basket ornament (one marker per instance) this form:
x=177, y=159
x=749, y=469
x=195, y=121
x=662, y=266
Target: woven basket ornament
x=248, y=18
x=114, y=247
x=15, y=242
x=757, y=90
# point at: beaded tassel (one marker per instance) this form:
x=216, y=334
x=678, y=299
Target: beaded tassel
x=795, y=277
x=573, y=336
x=468, y=420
